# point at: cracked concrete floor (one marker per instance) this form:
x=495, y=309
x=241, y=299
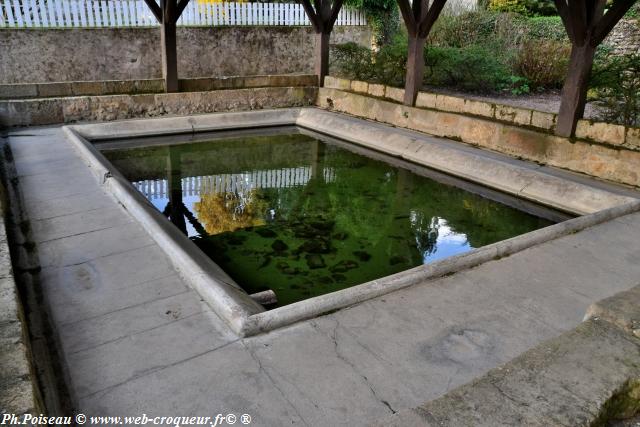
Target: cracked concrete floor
x=135, y=339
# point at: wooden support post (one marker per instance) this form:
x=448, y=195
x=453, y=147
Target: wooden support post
x=169, y=56
x=323, y=18
x=419, y=17
x=574, y=91
x=415, y=69
x=168, y=13
x=587, y=25
x=322, y=56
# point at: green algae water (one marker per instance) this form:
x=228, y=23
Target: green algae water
x=291, y=213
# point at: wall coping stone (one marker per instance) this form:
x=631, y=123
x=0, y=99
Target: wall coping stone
x=588, y=130
x=615, y=163
x=145, y=86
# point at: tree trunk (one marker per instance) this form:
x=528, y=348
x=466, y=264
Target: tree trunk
x=574, y=91
x=169, y=57
x=415, y=69
x=322, y=56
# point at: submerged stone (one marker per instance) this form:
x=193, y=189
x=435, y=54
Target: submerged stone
x=235, y=239
x=344, y=266
x=325, y=280
x=394, y=260
x=339, y=277
x=340, y=236
x=279, y=246
x=316, y=246
x=281, y=265
x=362, y=255
x=315, y=261
x=266, y=232
x=266, y=262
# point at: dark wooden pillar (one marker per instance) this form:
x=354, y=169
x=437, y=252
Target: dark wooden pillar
x=322, y=56
x=574, y=91
x=168, y=13
x=415, y=69
x=587, y=25
x=169, y=56
x=322, y=18
x=419, y=17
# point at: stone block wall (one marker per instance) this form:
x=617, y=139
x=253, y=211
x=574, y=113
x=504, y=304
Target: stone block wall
x=62, y=55
x=625, y=37
x=602, y=150
x=26, y=112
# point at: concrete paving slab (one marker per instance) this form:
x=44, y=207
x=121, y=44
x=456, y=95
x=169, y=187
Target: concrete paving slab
x=308, y=367
x=137, y=354
x=58, y=184
x=109, y=273
x=29, y=167
x=95, y=244
x=67, y=205
x=135, y=339
x=79, y=223
x=69, y=305
x=28, y=150
x=132, y=319
x=226, y=380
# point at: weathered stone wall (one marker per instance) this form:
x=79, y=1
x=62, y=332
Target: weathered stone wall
x=36, y=56
x=602, y=150
x=132, y=87
x=117, y=107
x=625, y=37
x=17, y=395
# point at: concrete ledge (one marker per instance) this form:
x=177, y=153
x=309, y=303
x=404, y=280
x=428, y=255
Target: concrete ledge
x=565, y=381
x=511, y=178
x=220, y=291
x=234, y=305
x=132, y=87
x=604, y=133
x=606, y=161
x=623, y=310
x=116, y=107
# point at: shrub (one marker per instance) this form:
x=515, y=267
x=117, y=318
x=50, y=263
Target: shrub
x=515, y=6
x=615, y=82
x=390, y=62
x=546, y=27
x=472, y=28
x=474, y=68
x=352, y=61
x=524, y=7
x=543, y=63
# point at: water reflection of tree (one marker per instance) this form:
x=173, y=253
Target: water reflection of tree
x=230, y=211
x=426, y=230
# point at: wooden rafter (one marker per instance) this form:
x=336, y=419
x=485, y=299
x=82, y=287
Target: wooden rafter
x=322, y=14
x=155, y=9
